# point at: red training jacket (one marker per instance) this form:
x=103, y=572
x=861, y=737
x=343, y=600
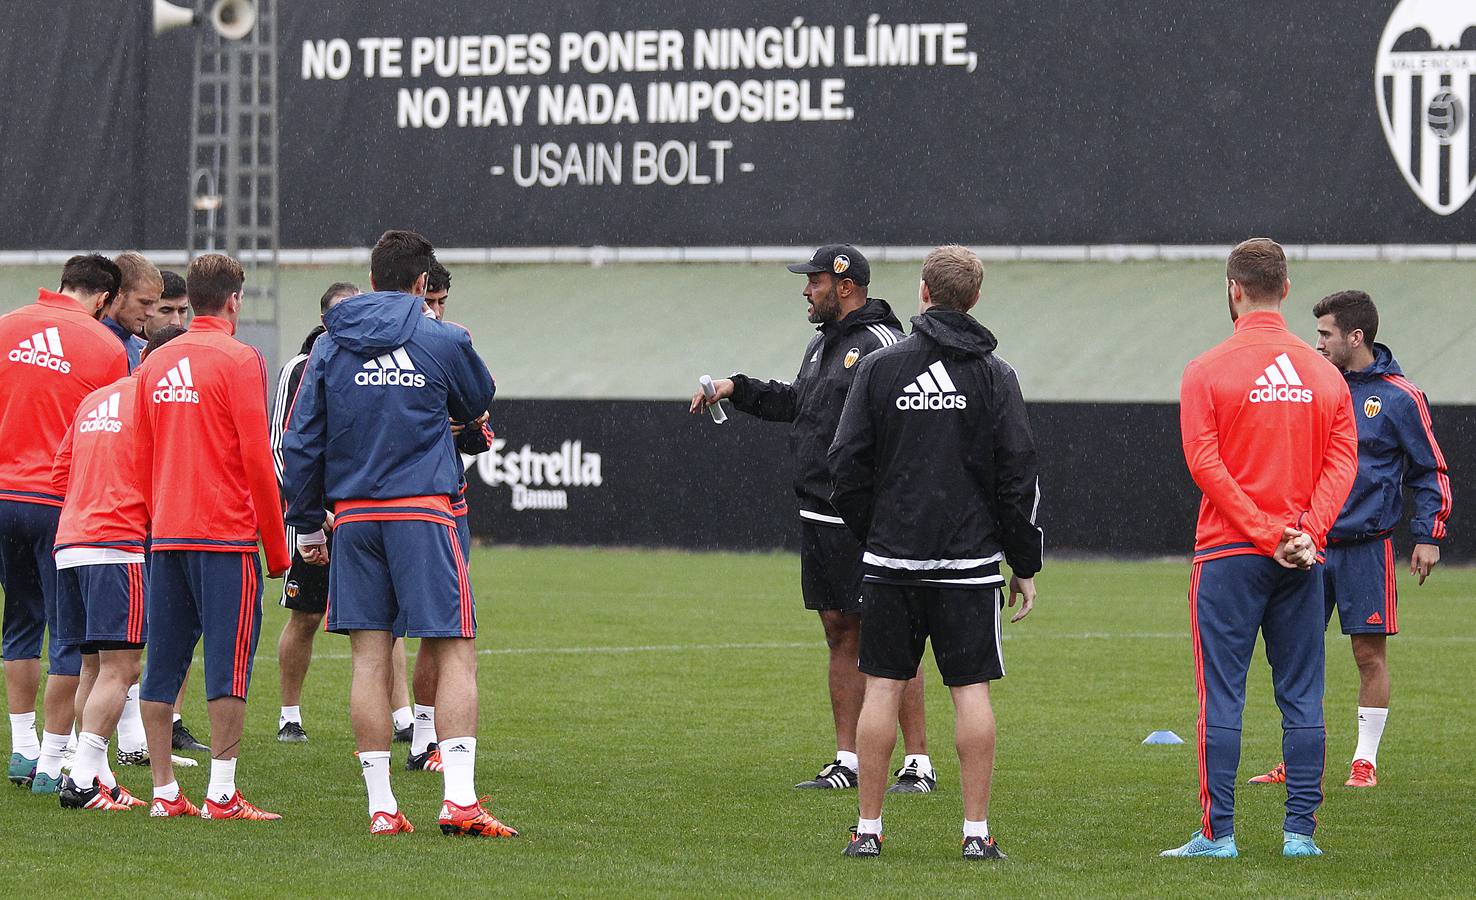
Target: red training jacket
x=1269, y=436
x=204, y=451
x=52, y=354
x=96, y=470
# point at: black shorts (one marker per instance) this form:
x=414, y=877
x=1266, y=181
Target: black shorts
x=830, y=567
x=306, y=587
x=962, y=622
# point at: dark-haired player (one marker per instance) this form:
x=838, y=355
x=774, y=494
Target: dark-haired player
x=52, y=354
x=305, y=591
x=1396, y=450
x=173, y=307
x=380, y=452
x=101, y=576
x=205, y=392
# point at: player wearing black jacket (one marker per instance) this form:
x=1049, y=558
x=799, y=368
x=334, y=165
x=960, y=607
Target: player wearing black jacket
x=851, y=327
x=935, y=471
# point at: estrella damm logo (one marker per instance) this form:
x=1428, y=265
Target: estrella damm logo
x=1372, y=406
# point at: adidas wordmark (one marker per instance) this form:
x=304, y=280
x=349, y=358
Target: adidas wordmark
x=1280, y=383
x=177, y=385
x=932, y=389
x=393, y=368
x=42, y=349
x=104, y=418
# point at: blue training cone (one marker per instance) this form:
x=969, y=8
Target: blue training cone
x=1163, y=737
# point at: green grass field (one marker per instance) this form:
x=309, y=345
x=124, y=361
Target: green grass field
x=644, y=715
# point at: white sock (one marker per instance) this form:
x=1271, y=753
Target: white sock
x=52, y=748
x=92, y=756
x=130, y=725
x=401, y=718
x=289, y=714
x=848, y=759
x=869, y=826
x=376, y=766
x=23, y=735
x=924, y=765
x=1370, y=731
x=459, y=757
x=168, y=791
x=177, y=717
x=222, y=780
x=106, y=777
x=978, y=829
x=72, y=741
x=425, y=729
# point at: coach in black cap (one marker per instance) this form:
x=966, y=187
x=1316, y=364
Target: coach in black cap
x=851, y=325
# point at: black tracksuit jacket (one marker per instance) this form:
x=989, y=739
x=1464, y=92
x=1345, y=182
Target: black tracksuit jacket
x=813, y=402
x=934, y=461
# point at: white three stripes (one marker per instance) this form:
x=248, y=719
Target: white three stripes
x=934, y=381
x=1281, y=372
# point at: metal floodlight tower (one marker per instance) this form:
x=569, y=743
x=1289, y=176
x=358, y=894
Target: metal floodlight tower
x=233, y=177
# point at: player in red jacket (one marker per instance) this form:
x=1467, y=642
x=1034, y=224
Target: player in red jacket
x=202, y=399
x=52, y=354
x=101, y=580
x=1269, y=437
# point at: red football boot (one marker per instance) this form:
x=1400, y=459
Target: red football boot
x=472, y=820
x=383, y=823
x=1275, y=776
x=1363, y=774
x=236, y=808
x=169, y=809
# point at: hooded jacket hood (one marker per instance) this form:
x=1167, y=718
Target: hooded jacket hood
x=1384, y=364
x=874, y=311
x=959, y=334
x=374, y=323
x=311, y=339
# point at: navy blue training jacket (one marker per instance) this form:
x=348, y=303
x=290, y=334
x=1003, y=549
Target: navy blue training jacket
x=370, y=421
x=1396, y=449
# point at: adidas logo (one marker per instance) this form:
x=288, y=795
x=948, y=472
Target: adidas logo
x=177, y=385
x=381, y=824
x=393, y=368
x=42, y=349
x=1281, y=382
x=445, y=810
x=104, y=418
x=1374, y=619
x=932, y=389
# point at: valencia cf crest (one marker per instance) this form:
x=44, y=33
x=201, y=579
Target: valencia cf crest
x=852, y=355
x=841, y=264
x=1426, y=63
x=1372, y=406
x=292, y=590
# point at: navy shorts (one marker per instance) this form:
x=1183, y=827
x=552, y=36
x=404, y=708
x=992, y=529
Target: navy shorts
x=195, y=593
x=400, y=569
x=28, y=577
x=830, y=567
x=1360, y=582
x=463, y=532
x=102, y=604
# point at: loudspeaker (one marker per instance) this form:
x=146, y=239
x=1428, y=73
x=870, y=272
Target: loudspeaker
x=231, y=19
x=167, y=16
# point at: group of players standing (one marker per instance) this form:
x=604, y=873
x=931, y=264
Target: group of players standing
x=139, y=477
x=129, y=515
x=916, y=475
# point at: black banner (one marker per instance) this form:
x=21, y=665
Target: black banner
x=648, y=474
x=687, y=124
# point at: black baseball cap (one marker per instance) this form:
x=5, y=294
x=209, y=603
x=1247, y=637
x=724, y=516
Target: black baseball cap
x=840, y=260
